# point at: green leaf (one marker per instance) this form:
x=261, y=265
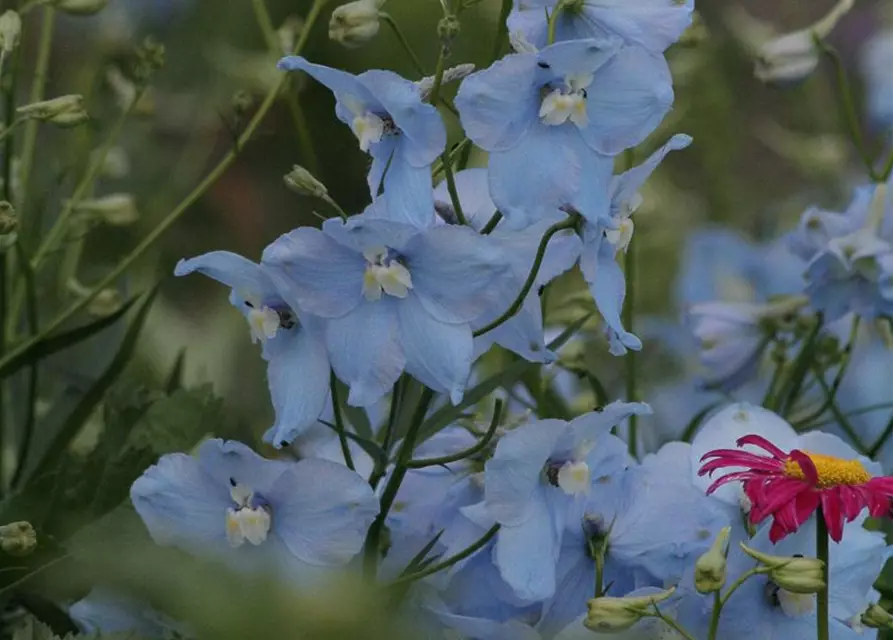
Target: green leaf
x=175, y=377
x=90, y=400
x=53, y=344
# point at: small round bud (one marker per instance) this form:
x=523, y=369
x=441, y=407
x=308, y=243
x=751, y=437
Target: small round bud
x=18, y=538
x=64, y=111
x=80, y=7
x=355, y=23
x=149, y=58
x=302, y=181
x=792, y=573
x=876, y=617
x=106, y=302
x=710, y=569
x=611, y=615
x=447, y=29
x=9, y=222
x=10, y=31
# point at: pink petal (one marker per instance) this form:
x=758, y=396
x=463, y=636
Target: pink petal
x=729, y=477
x=832, y=514
x=762, y=443
x=806, y=465
x=805, y=505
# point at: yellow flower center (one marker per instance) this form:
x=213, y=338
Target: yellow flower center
x=832, y=471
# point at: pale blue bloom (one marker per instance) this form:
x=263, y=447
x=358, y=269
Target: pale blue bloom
x=551, y=121
x=395, y=126
x=229, y=502
x=651, y=24
x=105, y=611
x=537, y=476
x=523, y=333
x=393, y=297
x=877, y=60
x=298, y=368
x=610, y=235
x=759, y=609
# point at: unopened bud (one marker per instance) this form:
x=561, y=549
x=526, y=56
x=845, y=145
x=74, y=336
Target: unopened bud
x=149, y=59
x=18, y=538
x=876, y=617
x=792, y=573
x=302, y=181
x=116, y=163
x=10, y=31
x=80, y=7
x=355, y=23
x=610, y=615
x=447, y=29
x=106, y=302
x=64, y=111
x=116, y=209
x=710, y=569
x=9, y=222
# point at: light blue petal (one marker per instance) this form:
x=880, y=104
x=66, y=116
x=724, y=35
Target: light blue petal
x=577, y=57
x=521, y=247
x=531, y=23
x=382, y=159
x=473, y=188
x=239, y=274
x=322, y=511
x=299, y=386
x=626, y=101
x=513, y=476
x=408, y=196
x=542, y=172
x=625, y=186
x=364, y=350
x=341, y=83
x=593, y=200
x=373, y=228
x=104, y=611
x=597, y=424
x=715, y=266
x=522, y=334
x=418, y=122
x=316, y=274
x=498, y=105
x=456, y=273
x=181, y=505
x=437, y=354
x=652, y=24
x=225, y=461
x=527, y=554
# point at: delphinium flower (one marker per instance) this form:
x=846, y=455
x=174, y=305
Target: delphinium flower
x=538, y=474
x=107, y=611
x=392, y=297
x=610, y=235
x=651, y=24
x=402, y=133
x=877, y=58
x=760, y=608
x=523, y=333
x=551, y=121
x=651, y=523
x=850, y=258
x=789, y=476
x=298, y=369
x=231, y=503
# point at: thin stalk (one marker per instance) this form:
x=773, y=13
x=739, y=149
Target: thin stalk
x=31, y=313
x=881, y=441
x=373, y=539
x=501, y=30
x=672, y=623
x=491, y=224
x=838, y=378
x=451, y=187
x=515, y=307
x=821, y=546
x=553, y=20
x=714, y=616
x=266, y=25
x=180, y=209
x=841, y=419
x=599, y=574
x=887, y=170
x=339, y=421
x=465, y=453
x=389, y=20
x=449, y=562
x=790, y=389
x=629, y=318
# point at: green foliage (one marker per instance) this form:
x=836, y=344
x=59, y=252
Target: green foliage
x=33, y=629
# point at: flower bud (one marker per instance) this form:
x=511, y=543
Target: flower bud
x=355, y=23
x=876, y=617
x=116, y=209
x=302, y=181
x=710, y=569
x=610, y=615
x=448, y=29
x=106, y=302
x=18, y=538
x=80, y=7
x=792, y=573
x=10, y=31
x=64, y=111
x=9, y=222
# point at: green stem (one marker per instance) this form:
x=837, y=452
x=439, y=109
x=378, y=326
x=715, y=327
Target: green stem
x=881, y=441
x=515, y=307
x=599, y=574
x=838, y=379
x=841, y=419
x=449, y=562
x=266, y=25
x=790, y=389
x=33, y=369
x=373, y=539
x=744, y=577
x=887, y=170
x=339, y=421
x=389, y=20
x=451, y=187
x=337, y=207
x=501, y=30
x=180, y=209
x=821, y=546
x=714, y=616
x=629, y=318
x=491, y=224
x=466, y=453
x=672, y=623
x=553, y=20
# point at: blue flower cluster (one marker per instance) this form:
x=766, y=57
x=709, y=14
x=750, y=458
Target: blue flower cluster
x=429, y=277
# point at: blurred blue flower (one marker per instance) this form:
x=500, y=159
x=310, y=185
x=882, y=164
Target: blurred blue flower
x=298, y=369
x=106, y=611
x=523, y=333
x=611, y=234
x=551, y=121
x=402, y=133
x=877, y=59
x=392, y=297
x=230, y=502
x=651, y=24
x=537, y=475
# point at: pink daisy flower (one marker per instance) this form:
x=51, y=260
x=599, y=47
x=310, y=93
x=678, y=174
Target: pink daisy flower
x=791, y=486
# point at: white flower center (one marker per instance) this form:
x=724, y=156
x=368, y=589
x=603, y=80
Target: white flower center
x=264, y=323
x=622, y=235
x=246, y=523
x=796, y=605
x=567, y=102
x=384, y=273
x=574, y=478
x=369, y=129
